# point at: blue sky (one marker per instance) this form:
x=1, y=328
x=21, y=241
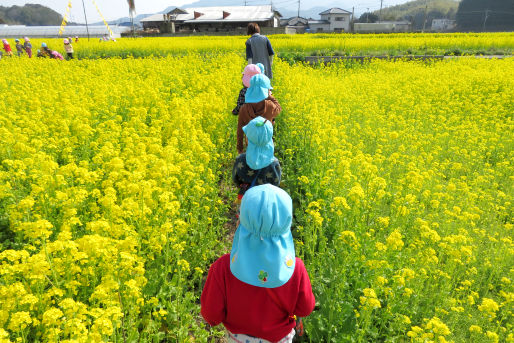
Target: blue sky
x=113, y=9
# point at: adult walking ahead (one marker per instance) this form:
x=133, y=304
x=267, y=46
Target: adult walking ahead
x=258, y=49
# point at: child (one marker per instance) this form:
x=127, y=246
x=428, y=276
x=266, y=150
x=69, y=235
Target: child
x=56, y=55
x=259, y=288
x=19, y=47
x=7, y=47
x=258, y=102
x=27, y=46
x=258, y=165
x=69, y=48
x=45, y=51
x=249, y=71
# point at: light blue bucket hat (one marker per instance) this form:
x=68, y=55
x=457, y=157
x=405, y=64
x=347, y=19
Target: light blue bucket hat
x=259, y=153
x=259, y=89
x=263, y=252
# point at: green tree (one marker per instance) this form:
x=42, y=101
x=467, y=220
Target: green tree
x=486, y=15
x=368, y=17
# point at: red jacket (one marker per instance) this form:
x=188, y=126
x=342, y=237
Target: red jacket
x=247, y=309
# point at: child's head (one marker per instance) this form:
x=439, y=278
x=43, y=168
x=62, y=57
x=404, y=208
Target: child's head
x=249, y=71
x=259, y=89
x=66, y=41
x=259, y=153
x=26, y=39
x=43, y=45
x=17, y=40
x=263, y=252
x=261, y=67
x=5, y=41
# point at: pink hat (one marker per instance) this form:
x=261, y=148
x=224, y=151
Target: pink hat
x=66, y=41
x=26, y=39
x=250, y=70
x=4, y=41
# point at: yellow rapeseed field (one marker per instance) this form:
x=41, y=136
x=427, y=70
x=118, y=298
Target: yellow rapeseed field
x=111, y=208
x=347, y=44
x=403, y=176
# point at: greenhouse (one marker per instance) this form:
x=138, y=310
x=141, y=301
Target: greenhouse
x=53, y=31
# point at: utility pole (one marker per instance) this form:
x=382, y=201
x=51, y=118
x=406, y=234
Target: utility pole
x=485, y=18
x=367, y=14
x=425, y=16
x=353, y=20
x=87, y=27
x=298, y=8
x=245, y=2
x=380, y=13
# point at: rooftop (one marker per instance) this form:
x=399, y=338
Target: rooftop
x=218, y=14
x=335, y=10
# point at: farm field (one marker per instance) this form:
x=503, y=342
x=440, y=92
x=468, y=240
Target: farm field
x=296, y=47
x=112, y=204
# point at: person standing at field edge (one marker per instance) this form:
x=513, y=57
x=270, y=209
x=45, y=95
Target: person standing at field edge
x=258, y=102
x=19, y=47
x=7, y=48
x=259, y=49
x=68, y=48
x=258, y=290
x=27, y=46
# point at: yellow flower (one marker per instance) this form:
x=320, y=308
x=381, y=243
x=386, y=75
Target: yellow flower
x=475, y=329
x=394, y=240
x=19, y=321
x=489, y=306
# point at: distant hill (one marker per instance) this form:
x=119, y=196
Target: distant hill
x=414, y=11
x=30, y=15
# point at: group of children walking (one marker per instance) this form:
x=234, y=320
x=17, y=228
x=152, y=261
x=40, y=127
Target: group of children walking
x=261, y=289
x=44, y=52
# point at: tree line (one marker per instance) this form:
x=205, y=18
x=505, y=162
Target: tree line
x=30, y=14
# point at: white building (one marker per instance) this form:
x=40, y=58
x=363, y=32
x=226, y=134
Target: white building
x=213, y=19
x=382, y=27
x=442, y=25
x=332, y=20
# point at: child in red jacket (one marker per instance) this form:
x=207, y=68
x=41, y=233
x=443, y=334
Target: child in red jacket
x=7, y=47
x=258, y=290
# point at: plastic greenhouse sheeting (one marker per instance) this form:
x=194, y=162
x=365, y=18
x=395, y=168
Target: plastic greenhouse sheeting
x=53, y=31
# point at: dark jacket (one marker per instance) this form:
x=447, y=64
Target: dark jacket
x=242, y=174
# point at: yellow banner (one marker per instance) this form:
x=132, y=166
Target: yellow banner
x=101, y=15
x=65, y=18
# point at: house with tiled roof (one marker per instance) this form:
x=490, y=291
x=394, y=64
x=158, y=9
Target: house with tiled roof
x=334, y=19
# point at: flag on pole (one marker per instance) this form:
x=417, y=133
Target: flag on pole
x=105, y=22
x=132, y=6
x=65, y=18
